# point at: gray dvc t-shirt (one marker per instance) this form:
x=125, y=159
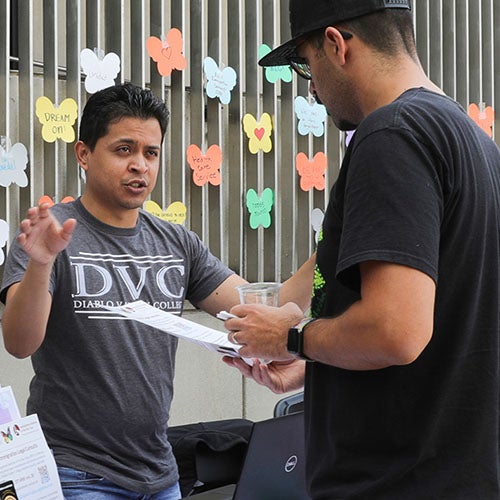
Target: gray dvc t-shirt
x=103, y=385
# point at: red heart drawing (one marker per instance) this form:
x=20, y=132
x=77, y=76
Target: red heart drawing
x=259, y=133
x=166, y=52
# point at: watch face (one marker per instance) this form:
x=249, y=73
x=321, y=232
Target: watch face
x=295, y=342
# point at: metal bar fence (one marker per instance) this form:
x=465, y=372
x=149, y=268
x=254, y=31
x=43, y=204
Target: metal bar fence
x=40, y=55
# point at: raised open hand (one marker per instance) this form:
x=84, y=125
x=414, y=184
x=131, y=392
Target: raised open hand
x=42, y=237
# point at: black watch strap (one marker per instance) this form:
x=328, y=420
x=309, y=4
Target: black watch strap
x=295, y=343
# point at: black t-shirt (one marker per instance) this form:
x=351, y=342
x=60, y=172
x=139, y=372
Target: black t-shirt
x=419, y=186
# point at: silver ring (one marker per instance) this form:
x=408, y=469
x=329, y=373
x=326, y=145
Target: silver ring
x=234, y=340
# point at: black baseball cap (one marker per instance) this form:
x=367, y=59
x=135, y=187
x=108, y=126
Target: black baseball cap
x=310, y=15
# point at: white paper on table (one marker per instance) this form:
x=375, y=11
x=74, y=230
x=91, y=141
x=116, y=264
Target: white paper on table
x=26, y=460
x=8, y=406
x=211, y=339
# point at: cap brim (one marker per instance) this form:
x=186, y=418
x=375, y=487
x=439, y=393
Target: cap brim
x=281, y=55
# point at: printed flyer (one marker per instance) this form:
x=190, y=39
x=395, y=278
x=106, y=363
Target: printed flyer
x=27, y=467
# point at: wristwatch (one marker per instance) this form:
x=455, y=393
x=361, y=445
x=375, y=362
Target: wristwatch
x=295, y=343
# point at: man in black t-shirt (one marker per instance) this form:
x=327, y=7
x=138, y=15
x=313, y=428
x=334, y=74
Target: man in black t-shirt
x=402, y=391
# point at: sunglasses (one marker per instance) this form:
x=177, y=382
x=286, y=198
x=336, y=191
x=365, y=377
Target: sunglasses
x=300, y=64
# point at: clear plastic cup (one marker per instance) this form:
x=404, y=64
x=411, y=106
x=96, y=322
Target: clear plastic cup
x=260, y=293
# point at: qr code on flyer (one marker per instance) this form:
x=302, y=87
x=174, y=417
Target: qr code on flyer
x=44, y=474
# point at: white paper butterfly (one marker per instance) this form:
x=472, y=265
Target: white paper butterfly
x=13, y=165
x=219, y=82
x=317, y=217
x=101, y=70
x=4, y=234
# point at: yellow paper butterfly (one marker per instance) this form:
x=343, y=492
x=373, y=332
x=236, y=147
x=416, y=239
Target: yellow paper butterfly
x=57, y=122
x=258, y=133
x=175, y=213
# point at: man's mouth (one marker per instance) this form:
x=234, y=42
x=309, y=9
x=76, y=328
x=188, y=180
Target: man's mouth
x=136, y=184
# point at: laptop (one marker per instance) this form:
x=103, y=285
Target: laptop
x=274, y=465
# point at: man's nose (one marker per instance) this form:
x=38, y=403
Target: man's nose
x=138, y=163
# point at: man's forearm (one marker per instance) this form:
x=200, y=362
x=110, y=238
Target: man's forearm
x=27, y=310
x=298, y=288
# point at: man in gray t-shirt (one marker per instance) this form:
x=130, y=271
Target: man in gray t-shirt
x=103, y=385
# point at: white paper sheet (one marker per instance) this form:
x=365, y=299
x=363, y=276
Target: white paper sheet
x=211, y=339
x=26, y=460
x=8, y=406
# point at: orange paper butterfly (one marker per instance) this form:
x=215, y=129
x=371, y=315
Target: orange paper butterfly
x=205, y=167
x=484, y=117
x=47, y=199
x=312, y=173
x=167, y=54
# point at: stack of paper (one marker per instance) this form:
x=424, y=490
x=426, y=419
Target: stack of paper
x=27, y=467
x=211, y=339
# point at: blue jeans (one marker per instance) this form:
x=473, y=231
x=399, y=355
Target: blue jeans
x=79, y=485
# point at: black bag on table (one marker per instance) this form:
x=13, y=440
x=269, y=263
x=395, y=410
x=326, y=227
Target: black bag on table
x=209, y=454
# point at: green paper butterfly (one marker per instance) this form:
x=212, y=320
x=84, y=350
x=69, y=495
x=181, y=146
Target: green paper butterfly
x=274, y=73
x=260, y=207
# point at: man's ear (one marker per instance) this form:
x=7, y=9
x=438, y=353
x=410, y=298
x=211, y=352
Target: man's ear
x=81, y=152
x=336, y=42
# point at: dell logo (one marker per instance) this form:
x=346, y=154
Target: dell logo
x=291, y=463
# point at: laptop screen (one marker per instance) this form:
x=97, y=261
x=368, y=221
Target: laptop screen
x=274, y=466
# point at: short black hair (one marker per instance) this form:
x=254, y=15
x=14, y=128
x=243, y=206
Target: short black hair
x=387, y=31
x=110, y=105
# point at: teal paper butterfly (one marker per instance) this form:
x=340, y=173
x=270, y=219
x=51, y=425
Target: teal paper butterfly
x=260, y=207
x=274, y=73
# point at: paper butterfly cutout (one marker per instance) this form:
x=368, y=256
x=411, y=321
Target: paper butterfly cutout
x=317, y=217
x=167, y=54
x=205, y=167
x=57, y=122
x=101, y=70
x=259, y=134
x=348, y=136
x=175, y=213
x=260, y=207
x=311, y=117
x=47, y=199
x=483, y=116
x=13, y=165
x=220, y=82
x=4, y=235
x=312, y=173
x=275, y=73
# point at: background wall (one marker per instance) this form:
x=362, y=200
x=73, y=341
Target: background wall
x=458, y=41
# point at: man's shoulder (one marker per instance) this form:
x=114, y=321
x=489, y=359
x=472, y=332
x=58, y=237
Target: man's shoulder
x=64, y=210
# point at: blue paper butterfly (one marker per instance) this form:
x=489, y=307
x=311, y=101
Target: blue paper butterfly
x=311, y=117
x=219, y=82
